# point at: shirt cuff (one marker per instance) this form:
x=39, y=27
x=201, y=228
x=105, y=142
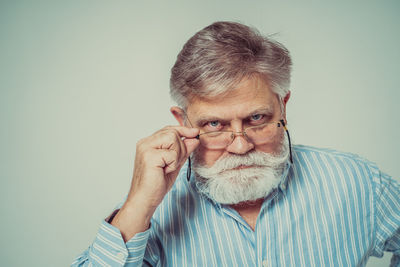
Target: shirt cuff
x=395, y=261
x=109, y=247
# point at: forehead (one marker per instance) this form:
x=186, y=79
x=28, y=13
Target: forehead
x=250, y=94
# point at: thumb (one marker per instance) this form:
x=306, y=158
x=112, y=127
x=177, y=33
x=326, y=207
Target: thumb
x=191, y=144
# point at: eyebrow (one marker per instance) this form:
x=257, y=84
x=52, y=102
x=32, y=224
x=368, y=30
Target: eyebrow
x=207, y=118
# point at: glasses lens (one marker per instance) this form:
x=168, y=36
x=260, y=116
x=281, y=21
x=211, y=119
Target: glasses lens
x=263, y=134
x=215, y=140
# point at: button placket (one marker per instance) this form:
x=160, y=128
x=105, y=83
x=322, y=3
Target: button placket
x=120, y=255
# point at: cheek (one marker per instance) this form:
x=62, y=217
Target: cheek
x=208, y=157
x=270, y=149
x=273, y=147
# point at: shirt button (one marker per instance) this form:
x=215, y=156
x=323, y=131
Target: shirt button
x=120, y=255
x=264, y=263
x=283, y=187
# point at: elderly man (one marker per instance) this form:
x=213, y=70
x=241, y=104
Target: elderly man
x=226, y=187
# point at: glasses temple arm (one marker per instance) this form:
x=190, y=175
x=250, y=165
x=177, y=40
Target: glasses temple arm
x=290, y=143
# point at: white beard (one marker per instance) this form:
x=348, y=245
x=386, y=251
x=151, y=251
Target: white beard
x=226, y=185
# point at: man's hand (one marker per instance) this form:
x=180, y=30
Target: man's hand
x=159, y=158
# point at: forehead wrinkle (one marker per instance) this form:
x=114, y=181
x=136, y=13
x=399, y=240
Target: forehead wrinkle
x=211, y=116
x=250, y=96
x=226, y=113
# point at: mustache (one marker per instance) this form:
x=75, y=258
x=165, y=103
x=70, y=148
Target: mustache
x=258, y=159
x=253, y=159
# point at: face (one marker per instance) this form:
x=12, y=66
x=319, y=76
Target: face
x=246, y=169
x=252, y=102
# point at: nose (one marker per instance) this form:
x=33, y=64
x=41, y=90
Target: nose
x=240, y=144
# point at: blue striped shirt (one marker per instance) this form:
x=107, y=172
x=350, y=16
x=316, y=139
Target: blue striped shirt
x=331, y=209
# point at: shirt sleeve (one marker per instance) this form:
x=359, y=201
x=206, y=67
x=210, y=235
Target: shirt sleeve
x=387, y=218
x=109, y=248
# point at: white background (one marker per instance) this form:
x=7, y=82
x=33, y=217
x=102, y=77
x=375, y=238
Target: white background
x=82, y=81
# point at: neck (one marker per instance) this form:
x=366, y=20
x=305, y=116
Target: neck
x=248, y=204
x=249, y=211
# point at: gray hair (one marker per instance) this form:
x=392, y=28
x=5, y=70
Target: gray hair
x=219, y=56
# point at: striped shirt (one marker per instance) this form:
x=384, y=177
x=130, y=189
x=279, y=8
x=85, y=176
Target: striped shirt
x=331, y=209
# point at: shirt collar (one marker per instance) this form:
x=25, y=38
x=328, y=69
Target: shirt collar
x=193, y=185
x=284, y=181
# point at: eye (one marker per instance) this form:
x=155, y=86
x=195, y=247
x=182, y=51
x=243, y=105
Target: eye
x=213, y=124
x=256, y=117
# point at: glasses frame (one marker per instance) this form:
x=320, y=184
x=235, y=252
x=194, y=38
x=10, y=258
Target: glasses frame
x=242, y=133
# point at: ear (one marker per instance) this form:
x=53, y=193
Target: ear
x=285, y=100
x=179, y=115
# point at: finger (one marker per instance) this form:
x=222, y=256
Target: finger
x=174, y=142
x=165, y=139
x=169, y=160
x=169, y=138
x=188, y=143
x=191, y=144
x=187, y=146
x=184, y=131
x=182, y=149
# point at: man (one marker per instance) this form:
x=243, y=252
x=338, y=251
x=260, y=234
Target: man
x=245, y=197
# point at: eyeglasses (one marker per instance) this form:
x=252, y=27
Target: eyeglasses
x=258, y=135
